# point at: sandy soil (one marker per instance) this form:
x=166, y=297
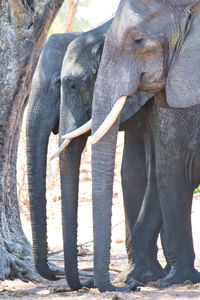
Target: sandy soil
x=57, y=290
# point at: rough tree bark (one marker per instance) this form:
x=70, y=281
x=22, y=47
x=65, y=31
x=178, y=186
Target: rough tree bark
x=23, y=29
x=71, y=11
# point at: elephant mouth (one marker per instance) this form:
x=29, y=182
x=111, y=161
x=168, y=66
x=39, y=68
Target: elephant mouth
x=153, y=86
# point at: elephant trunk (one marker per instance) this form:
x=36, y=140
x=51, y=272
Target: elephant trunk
x=37, y=135
x=69, y=171
x=71, y=117
x=112, y=83
x=102, y=189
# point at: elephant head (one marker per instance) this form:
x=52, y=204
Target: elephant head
x=150, y=46
x=42, y=119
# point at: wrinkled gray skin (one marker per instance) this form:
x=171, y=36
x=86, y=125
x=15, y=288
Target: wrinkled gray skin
x=80, y=66
x=151, y=46
x=42, y=119
x=78, y=76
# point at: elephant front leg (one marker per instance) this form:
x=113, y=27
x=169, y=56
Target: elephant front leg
x=144, y=237
x=178, y=175
x=176, y=200
x=142, y=209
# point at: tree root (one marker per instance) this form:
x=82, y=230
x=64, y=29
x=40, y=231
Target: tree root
x=17, y=263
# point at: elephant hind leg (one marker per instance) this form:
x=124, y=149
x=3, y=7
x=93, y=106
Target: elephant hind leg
x=178, y=174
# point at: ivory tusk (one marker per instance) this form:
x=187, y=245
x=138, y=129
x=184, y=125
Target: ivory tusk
x=109, y=121
x=79, y=131
x=60, y=149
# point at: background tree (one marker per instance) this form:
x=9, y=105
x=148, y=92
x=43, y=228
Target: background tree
x=24, y=26
x=78, y=22
x=71, y=11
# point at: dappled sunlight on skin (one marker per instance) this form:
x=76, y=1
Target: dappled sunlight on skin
x=72, y=61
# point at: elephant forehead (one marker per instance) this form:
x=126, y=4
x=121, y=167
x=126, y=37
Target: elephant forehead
x=134, y=17
x=74, y=68
x=159, y=20
x=75, y=65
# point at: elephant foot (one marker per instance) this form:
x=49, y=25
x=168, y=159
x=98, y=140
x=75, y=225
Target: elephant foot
x=145, y=272
x=179, y=276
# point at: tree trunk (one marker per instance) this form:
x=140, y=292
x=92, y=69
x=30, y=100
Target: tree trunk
x=71, y=11
x=23, y=29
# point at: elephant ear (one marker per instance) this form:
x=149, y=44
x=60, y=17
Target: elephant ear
x=183, y=82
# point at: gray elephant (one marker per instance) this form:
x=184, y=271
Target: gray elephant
x=77, y=78
x=42, y=119
x=150, y=46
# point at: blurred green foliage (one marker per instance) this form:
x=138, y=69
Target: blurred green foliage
x=197, y=190
x=59, y=23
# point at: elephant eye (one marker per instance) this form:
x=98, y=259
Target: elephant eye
x=72, y=85
x=138, y=40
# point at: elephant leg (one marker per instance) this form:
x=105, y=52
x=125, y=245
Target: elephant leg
x=145, y=233
x=134, y=181
x=178, y=165
x=176, y=201
x=141, y=198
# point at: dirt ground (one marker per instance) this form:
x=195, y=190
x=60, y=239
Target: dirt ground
x=58, y=290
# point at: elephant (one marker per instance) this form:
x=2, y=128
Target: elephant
x=78, y=75
x=150, y=47
x=42, y=119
